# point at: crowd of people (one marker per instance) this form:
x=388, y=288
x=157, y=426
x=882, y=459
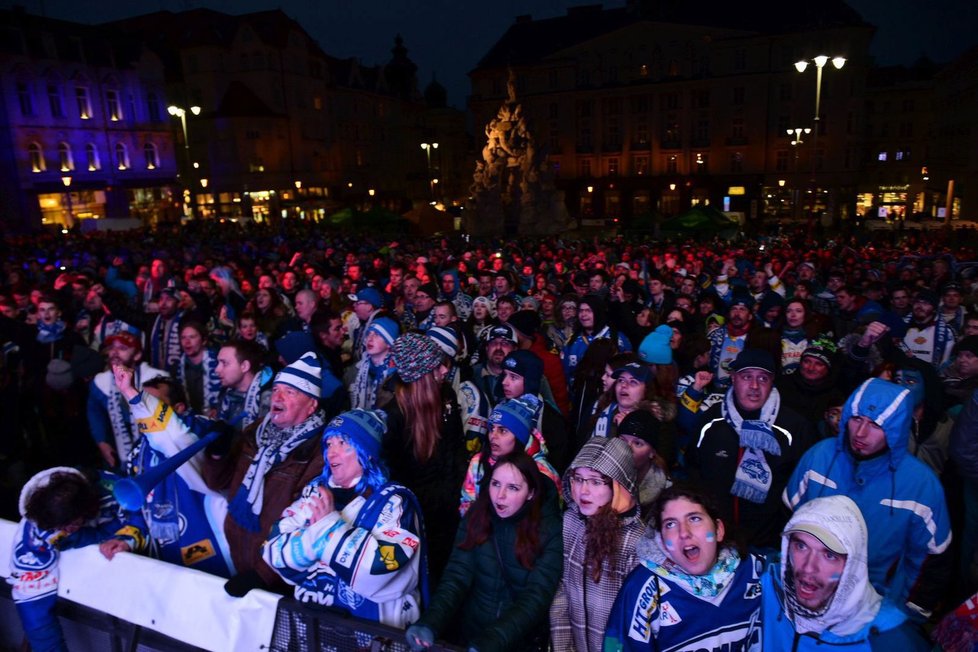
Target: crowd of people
x=549, y=444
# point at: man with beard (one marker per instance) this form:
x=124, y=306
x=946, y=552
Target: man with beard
x=811, y=390
x=500, y=341
x=746, y=447
x=728, y=341
x=900, y=497
x=928, y=337
x=111, y=423
x=818, y=594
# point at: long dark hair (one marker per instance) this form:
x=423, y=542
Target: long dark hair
x=478, y=527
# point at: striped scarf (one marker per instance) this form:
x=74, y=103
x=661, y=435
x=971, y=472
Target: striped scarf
x=252, y=401
x=274, y=445
x=212, y=383
x=164, y=342
x=363, y=390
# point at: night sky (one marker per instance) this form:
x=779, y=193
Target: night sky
x=448, y=37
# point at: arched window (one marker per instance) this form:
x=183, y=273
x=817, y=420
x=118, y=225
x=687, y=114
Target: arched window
x=153, y=105
x=152, y=156
x=121, y=156
x=91, y=156
x=65, y=159
x=37, y=157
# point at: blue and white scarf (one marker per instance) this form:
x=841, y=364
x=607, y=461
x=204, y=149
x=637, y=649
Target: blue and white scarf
x=47, y=334
x=363, y=390
x=753, y=478
x=212, y=382
x=164, y=342
x=253, y=407
x=274, y=445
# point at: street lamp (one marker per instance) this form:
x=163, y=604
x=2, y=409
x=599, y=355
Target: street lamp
x=180, y=112
x=802, y=66
x=70, y=221
x=427, y=147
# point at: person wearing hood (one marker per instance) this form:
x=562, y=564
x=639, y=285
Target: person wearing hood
x=900, y=497
x=811, y=390
x=523, y=374
x=592, y=325
x=365, y=379
x=818, y=596
x=602, y=526
x=354, y=541
x=692, y=589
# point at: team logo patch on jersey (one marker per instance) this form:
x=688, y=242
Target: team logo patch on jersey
x=196, y=552
x=668, y=615
x=387, y=554
x=753, y=591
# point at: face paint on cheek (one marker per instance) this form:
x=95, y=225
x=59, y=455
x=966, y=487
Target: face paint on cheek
x=670, y=545
x=835, y=577
x=710, y=536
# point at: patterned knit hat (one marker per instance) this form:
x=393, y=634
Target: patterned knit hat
x=386, y=327
x=518, y=415
x=414, y=356
x=305, y=374
x=363, y=428
x=822, y=350
x=445, y=338
x=655, y=349
x=489, y=304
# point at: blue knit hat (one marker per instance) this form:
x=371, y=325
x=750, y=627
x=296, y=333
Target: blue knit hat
x=445, y=338
x=518, y=415
x=655, y=348
x=371, y=296
x=528, y=365
x=364, y=429
x=386, y=327
x=305, y=375
x=414, y=356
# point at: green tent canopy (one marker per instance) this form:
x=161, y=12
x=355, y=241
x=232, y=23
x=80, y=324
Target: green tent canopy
x=375, y=219
x=700, y=219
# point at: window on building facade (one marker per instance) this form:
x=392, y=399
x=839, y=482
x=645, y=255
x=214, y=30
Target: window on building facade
x=672, y=165
x=584, y=134
x=37, y=157
x=881, y=156
x=740, y=59
x=54, y=101
x=785, y=92
x=554, y=110
x=152, y=156
x=640, y=165
x=121, y=156
x=115, y=107
x=584, y=168
x=91, y=157
x=153, y=107
x=737, y=128
x=66, y=162
x=24, y=99
x=84, y=103
x=613, y=132
x=737, y=162
x=738, y=95
x=642, y=130
x=612, y=167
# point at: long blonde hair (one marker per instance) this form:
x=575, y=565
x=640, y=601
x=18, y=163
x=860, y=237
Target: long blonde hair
x=421, y=405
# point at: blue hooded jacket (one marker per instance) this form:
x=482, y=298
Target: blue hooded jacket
x=899, y=496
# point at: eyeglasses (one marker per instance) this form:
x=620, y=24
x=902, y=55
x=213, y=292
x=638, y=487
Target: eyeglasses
x=593, y=483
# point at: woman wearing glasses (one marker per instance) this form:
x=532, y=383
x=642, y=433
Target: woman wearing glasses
x=601, y=528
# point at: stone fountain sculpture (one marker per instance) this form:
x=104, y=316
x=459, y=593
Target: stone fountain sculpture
x=513, y=189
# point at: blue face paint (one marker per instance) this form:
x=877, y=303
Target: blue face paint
x=710, y=536
x=914, y=381
x=835, y=577
x=670, y=545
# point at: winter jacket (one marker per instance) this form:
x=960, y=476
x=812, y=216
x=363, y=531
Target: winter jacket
x=109, y=417
x=964, y=439
x=283, y=484
x=857, y=618
x=573, y=353
x=366, y=557
x=482, y=462
x=580, y=609
x=899, y=496
x=715, y=454
x=497, y=603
